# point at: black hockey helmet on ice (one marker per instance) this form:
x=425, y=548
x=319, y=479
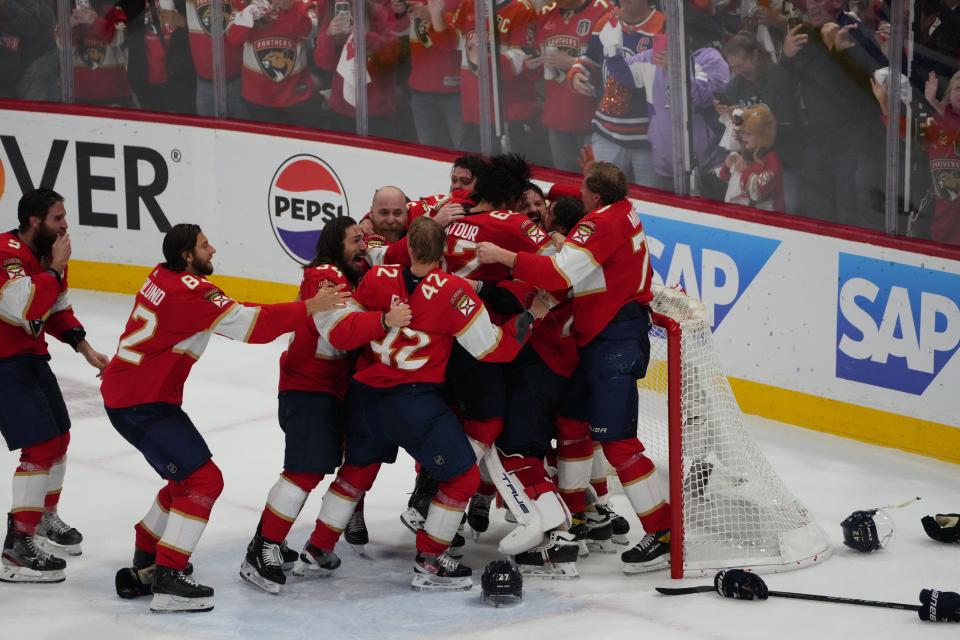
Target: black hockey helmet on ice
x=501, y=584
x=868, y=531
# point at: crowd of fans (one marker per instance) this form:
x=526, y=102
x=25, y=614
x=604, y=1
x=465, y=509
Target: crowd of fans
x=787, y=97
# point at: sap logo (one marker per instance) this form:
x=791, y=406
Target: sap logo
x=712, y=265
x=305, y=194
x=897, y=325
x=131, y=168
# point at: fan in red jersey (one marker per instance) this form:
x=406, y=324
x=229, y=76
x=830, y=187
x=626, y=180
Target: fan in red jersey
x=313, y=382
x=605, y=261
x=33, y=415
x=200, y=18
x=395, y=401
x=276, y=82
x=175, y=312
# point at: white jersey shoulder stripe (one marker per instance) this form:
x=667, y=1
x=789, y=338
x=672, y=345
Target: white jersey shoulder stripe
x=480, y=336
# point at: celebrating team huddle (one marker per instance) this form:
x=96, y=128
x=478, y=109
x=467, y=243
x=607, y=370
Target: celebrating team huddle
x=494, y=333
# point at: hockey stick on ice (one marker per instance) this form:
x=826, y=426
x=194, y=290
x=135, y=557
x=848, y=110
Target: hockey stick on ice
x=679, y=591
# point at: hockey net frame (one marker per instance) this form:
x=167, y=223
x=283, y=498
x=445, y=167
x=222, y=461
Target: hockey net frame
x=730, y=509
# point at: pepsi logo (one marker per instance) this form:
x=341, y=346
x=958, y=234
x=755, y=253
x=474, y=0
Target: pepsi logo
x=305, y=194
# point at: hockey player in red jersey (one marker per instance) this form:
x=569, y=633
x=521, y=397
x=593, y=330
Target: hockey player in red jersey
x=395, y=400
x=313, y=382
x=605, y=261
x=175, y=312
x=33, y=415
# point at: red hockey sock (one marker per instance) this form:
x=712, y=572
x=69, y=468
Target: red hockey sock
x=637, y=476
x=193, y=499
x=574, y=461
x=285, y=502
x=486, y=489
x=483, y=431
x=30, y=483
x=57, y=472
x=446, y=512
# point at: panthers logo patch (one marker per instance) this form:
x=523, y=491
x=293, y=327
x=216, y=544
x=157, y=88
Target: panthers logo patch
x=14, y=269
x=534, y=232
x=218, y=298
x=464, y=304
x=276, y=57
x=93, y=53
x=582, y=233
x=205, y=15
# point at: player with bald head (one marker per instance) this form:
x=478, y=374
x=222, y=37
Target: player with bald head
x=388, y=213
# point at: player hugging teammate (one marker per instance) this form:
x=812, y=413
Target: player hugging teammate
x=473, y=341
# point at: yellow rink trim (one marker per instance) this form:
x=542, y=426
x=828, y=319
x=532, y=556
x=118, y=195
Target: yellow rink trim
x=125, y=278
x=783, y=405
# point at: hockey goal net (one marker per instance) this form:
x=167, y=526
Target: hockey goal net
x=730, y=507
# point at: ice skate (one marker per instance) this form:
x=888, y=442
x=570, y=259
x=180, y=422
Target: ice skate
x=316, y=563
x=24, y=561
x=440, y=573
x=356, y=532
x=650, y=554
x=556, y=558
x=137, y=581
x=599, y=535
x=174, y=591
x=288, y=555
x=416, y=513
x=578, y=529
x=478, y=514
x=263, y=565
x=619, y=525
x=57, y=536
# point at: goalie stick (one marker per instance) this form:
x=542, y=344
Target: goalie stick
x=680, y=591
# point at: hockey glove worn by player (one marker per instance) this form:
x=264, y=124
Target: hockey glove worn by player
x=740, y=584
x=943, y=527
x=939, y=606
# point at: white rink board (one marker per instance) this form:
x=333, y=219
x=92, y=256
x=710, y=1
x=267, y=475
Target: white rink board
x=775, y=292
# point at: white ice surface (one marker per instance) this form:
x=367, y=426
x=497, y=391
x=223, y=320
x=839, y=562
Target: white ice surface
x=231, y=397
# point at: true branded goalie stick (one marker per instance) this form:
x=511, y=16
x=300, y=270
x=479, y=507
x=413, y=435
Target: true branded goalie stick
x=679, y=591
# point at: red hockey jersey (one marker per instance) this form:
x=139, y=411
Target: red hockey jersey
x=199, y=15
x=510, y=230
x=569, y=32
x=434, y=59
x=173, y=317
x=311, y=363
x=516, y=22
x=275, y=72
x=32, y=302
x=943, y=150
x=100, y=58
x=606, y=262
x=445, y=308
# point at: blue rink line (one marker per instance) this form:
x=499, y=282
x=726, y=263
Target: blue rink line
x=368, y=597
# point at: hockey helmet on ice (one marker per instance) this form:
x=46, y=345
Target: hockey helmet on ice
x=501, y=584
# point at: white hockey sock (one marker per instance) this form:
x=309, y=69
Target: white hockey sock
x=573, y=475
x=338, y=505
x=182, y=532
x=645, y=493
x=286, y=499
x=155, y=522
x=29, y=490
x=443, y=518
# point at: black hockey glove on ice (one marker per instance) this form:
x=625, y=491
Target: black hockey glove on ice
x=740, y=584
x=943, y=527
x=939, y=606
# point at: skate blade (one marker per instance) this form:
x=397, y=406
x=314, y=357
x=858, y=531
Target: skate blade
x=553, y=571
x=601, y=546
x=584, y=549
x=429, y=582
x=10, y=573
x=249, y=573
x=509, y=517
x=306, y=570
x=357, y=548
x=641, y=567
x=166, y=603
x=621, y=539
x=50, y=546
x=412, y=519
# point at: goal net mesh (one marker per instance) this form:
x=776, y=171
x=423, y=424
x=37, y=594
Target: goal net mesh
x=736, y=510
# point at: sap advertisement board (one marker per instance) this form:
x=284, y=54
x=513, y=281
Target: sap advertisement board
x=860, y=324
